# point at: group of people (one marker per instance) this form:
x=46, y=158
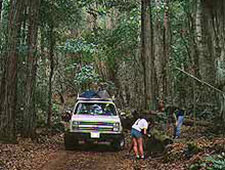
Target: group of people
x=141, y=127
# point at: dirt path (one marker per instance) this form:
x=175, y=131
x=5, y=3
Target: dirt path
x=48, y=153
x=52, y=156
x=96, y=158
x=57, y=160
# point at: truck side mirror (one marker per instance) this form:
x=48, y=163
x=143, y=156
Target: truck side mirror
x=66, y=116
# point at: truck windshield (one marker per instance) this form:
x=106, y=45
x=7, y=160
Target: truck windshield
x=103, y=109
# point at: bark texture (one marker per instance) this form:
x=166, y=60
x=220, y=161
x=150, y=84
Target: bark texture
x=147, y=55
x=30, y=107
x=8, y=99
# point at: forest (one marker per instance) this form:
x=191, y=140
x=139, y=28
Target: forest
x=143, y=52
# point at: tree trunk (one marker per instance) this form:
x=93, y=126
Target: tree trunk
x=9, y=79
x=167, y=52
x=214, y=19
x=30, y=110
x=199, y=38
x=204, y=44
x=1, y=1
x=51, y=58
x=158, y=52
x=147, y=54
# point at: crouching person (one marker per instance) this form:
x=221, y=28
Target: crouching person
x=139, y=128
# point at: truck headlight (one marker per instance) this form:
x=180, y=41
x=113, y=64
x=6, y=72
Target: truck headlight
x=75, y=124
x=116, y=127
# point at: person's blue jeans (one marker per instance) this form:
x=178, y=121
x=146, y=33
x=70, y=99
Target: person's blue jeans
x=179, y=124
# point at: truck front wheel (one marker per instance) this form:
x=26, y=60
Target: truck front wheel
x=119, y=144
x=70, y=142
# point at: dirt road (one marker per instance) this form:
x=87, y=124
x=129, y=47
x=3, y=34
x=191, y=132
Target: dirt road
x=97, y=158
x=48, y=153
x=51, y=155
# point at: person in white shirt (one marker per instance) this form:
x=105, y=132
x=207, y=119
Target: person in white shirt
x=140, y=126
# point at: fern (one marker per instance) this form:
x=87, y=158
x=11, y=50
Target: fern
x=216, y=162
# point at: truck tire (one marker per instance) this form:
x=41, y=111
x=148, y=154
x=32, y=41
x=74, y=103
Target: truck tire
x=69, y=142
x=119, y=144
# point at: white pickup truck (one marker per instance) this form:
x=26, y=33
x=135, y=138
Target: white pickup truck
x=94, y=120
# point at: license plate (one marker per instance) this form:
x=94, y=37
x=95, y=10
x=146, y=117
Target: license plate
x=95, y=135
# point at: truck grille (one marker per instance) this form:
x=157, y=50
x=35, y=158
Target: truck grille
x=95, y=126
x=96, y=123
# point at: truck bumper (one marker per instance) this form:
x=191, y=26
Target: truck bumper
x=87, y=136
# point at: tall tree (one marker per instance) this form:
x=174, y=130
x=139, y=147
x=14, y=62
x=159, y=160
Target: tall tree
x=51, y=59
x=9, y=80
x=214, y=22
x=204, y=44
x=1, y=1
x=167, y=50
x=30, y=106
x=147, y=54
x=158, y=46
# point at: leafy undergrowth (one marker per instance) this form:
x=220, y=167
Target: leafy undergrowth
x=197, y=150
x=214, y=162
x=29, y=154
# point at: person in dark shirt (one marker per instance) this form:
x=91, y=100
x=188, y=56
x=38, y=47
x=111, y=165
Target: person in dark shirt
x=179, y=121
x=171, y=117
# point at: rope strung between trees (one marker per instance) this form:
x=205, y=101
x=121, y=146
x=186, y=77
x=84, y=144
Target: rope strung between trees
x=201, y=81
x=214, y=88
x=211, y=86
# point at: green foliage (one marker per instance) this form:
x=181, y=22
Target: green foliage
x=180, y=34
x=119, y=43
x=193, y=148
x=56, y=18
x=82, y=47
x=56, y=117
x=216, y=162
x=55, y=108
x=60, y=12
x=3, y=26
x=103, y=6
x=86, y=77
